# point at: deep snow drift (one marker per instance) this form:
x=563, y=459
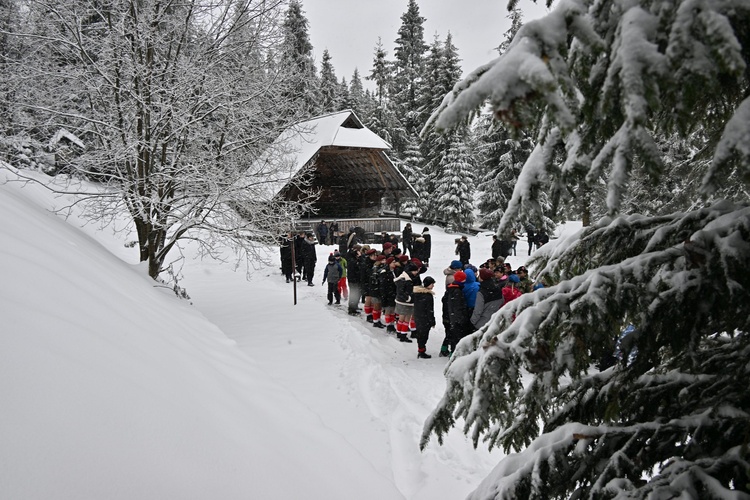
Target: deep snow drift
x=114, y=388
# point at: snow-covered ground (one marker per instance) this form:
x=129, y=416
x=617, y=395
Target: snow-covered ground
x=114, y=388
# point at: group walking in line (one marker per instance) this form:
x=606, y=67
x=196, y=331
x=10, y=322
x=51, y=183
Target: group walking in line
x=390, y=287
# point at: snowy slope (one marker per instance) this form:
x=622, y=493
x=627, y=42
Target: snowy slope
x=114, y=388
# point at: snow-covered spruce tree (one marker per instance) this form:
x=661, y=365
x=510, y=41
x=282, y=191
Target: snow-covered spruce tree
x=330, y=91
x=454, y=194
x=673, y=419
x=409, y=52
x=174, y=105
x=384, y=121
x=297, y=56
x=442, y=71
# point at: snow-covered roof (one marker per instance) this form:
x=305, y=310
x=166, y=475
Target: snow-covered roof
x=359, y=152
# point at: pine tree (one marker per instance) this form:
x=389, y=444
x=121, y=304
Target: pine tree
x=297, y=53
x=670, y=419
x=454, y=193
x=329, y=86
x=409, y=52
x=442, y=73
x=384, y=121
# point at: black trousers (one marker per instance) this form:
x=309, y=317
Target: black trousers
x=422, y=335
x=333, y=291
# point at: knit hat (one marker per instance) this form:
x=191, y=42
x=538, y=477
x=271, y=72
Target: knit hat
x=456, y=264
x=513, y=278
x=331, y=258
x=485, y=274
x=459, y=277
x=429, y=280
x=426, y=230
x=403, y=258
x=336, y=253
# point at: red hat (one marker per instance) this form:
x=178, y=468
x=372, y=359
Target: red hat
x=403, y=257
x=485, y=274
x=387, y=244
x=459, y=277
x=381, y=257
x=417, y=262
x=370, y=251
x=389, y=260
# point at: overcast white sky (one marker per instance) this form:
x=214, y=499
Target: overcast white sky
x=349, y=29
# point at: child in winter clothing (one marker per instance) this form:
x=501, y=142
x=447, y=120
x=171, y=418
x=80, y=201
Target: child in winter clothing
x=424, y=314
x=405, y=300
x=510, y=290
x=332, y=274
x=342, y=281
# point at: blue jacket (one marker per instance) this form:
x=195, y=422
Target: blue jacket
x=470, y=288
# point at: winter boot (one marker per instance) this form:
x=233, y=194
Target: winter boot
x=444, y=352
x=378, y=324
x=403, y=338
x=369, y=318
x=391, y=328
x=423, y=355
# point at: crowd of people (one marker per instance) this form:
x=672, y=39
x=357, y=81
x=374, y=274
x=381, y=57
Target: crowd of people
x=390, y=286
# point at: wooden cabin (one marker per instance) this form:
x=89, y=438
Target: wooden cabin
x=348, y=165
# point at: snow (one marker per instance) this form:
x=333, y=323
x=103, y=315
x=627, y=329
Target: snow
x=114, y=388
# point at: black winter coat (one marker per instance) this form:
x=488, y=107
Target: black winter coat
x=424, y=308
x=455, y=312
x=374, y=284
x=404, y=288
x=418, y=249
x=427, y=246
x=365, y=268
x=387, y=287
x=308, y=252
x=353, y=274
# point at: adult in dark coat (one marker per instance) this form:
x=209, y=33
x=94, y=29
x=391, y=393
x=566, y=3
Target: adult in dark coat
x=463, y=249
x=285, y=250
x=299, y=256
x=354, y=277
x=418, y=247
x=309, y=258
x=406, y=238
x=424, y=314
x=455, y=314
x=323, y=233
x=531, y=235
x=427, y=251
x=333, y=233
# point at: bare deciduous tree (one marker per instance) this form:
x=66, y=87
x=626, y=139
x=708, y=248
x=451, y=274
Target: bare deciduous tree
x=179, y=111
